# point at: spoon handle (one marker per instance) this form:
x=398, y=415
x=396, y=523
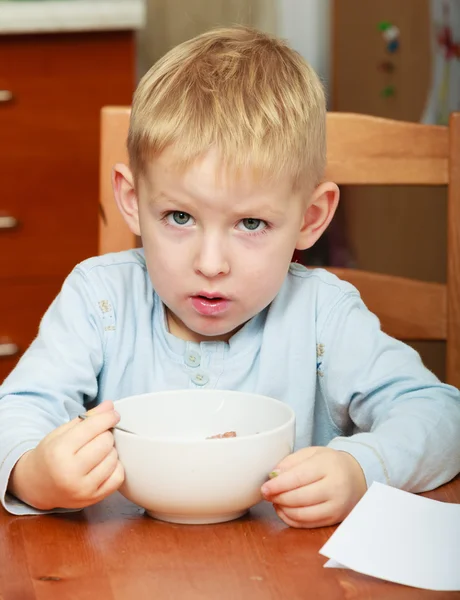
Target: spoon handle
x=84, y=416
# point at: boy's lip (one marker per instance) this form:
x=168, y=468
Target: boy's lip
x=211, y=295
x=208, y=305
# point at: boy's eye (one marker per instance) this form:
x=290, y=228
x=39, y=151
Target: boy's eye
x=252, y=224
x=179, y=218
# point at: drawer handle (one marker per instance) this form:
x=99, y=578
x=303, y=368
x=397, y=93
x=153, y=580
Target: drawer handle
x=8, y=349
x=6, y=95
x=8, y=222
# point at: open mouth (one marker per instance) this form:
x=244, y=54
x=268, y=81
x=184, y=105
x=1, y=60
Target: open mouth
x=210, y=298
x=209, y=305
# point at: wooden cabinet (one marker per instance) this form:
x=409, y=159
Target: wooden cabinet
x=49, y=161
x=399, y=230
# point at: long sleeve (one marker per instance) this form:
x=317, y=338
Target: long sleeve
x=399, y=421
x=53, y=379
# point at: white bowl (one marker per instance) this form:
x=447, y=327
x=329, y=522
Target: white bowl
x=177, y=474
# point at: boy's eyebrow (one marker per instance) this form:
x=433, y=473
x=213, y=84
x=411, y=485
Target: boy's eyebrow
x=259, y=211
x=161, y=197
x=154, y=198
x=241, y=212
x=182, y=203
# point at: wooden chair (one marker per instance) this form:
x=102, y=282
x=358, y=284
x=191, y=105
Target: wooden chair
x=362, y=150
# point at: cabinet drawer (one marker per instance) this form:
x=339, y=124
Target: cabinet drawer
x=22, y=306
x=49, y=144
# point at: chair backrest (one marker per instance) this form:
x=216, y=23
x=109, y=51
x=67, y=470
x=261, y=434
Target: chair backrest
x=362, y=150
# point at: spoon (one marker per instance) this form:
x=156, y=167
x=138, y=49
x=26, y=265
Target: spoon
x=84, y=416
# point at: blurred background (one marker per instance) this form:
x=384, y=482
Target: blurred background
x=62, y=60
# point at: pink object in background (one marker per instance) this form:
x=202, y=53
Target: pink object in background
x=444, y=95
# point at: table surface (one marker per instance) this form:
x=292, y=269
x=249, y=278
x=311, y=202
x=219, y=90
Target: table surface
x=113, y=551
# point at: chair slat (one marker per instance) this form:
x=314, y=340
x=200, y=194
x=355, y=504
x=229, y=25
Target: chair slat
x=114, y=234
x=369, y=150
x=362, y=150
x=453, y=256
x=408, y=309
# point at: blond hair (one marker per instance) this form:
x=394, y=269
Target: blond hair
x=244, y=92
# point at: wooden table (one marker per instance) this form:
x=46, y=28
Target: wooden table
x=112, y=551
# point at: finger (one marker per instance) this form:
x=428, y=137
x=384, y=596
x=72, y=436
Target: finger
x=64, y=428
x=102, y=407
x=289, y=522
x=94, y=495
x=102, y=471
x=112, y=483
x=296, y=458
x=307, y=495
x=90, y=428
x=93, y=453
x=300, y=525
x=305, y=473
x=320, y=515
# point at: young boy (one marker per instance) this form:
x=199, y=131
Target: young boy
x=227, y=152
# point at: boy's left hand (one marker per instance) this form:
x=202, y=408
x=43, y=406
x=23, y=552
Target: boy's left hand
x=315, y=487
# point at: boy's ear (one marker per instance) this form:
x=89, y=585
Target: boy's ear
x=125, y=196
x=318, y=214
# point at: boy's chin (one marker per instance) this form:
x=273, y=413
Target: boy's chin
x=197, y=331
x=215, y=334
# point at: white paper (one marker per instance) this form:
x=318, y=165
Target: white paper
x=400, y=537
x=333, y=564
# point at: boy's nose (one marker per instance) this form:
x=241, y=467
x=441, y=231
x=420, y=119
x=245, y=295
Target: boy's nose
x=211, y=259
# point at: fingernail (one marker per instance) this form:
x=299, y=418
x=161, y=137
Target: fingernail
x=273, y=474
x=264, y=490
x=117, y=414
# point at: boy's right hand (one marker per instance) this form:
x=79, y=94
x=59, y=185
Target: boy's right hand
x=74, y=466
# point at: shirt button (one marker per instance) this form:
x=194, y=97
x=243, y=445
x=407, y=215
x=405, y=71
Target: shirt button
x=200, y=379
x=192, y=359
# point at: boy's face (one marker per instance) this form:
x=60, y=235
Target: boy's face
x=217, y=249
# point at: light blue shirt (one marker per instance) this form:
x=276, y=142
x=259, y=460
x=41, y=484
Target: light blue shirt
x=316, y=347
